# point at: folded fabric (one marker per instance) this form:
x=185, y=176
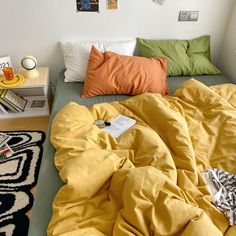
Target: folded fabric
x=111, y=73
x=222, y=186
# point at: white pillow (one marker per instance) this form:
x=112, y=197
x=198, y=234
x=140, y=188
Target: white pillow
x=76, y=55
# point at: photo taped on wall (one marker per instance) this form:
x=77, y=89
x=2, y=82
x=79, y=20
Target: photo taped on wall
x=87, y=5
x=112, y=4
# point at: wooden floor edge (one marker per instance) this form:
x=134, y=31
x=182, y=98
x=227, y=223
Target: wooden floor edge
x=31, y=123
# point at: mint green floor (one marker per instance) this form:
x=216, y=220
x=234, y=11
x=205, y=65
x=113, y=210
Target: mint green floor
x=49, y=181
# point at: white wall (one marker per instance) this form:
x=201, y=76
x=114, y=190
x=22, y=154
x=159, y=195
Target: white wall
x=35, y=26
x=227, y=58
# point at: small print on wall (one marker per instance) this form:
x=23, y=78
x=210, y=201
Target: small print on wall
x=159, y=1
x=88, y=5
x=112, y=4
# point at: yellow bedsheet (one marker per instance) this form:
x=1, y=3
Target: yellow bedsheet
x=148, y=181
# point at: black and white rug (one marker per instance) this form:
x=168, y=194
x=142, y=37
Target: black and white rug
x=18, y=175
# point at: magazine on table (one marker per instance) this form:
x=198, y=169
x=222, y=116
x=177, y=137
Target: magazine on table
x=5, y=152
x=35, y=103
x=4, y=138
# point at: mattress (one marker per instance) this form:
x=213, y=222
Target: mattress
x=49, y=181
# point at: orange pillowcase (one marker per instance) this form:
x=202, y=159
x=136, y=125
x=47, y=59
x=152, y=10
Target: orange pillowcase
x=111, y=73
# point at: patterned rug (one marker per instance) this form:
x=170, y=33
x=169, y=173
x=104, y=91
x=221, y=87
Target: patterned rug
x=18, y=175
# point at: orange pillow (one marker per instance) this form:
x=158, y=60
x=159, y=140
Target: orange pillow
x=111, y=73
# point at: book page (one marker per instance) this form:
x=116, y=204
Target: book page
x=119, y=125
x=15, y=99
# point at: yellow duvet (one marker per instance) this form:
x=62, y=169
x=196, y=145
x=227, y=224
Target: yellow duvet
x=148, y=181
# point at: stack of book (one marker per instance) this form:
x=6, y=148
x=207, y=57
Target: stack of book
x=11, y=101
x=5, y=150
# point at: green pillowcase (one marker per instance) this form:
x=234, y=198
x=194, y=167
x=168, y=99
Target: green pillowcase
x=185, y=57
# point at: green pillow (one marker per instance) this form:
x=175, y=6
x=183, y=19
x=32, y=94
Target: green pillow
x=185, y=57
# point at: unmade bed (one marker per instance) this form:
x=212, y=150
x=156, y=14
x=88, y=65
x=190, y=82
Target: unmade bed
x=49, y=181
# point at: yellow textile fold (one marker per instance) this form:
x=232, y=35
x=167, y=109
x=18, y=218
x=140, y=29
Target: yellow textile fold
x=148, y=181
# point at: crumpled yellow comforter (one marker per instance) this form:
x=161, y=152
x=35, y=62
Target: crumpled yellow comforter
x=148, y=181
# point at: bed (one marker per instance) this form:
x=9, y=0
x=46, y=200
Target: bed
x=49, y=181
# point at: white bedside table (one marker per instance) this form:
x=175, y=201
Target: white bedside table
x=36, y=91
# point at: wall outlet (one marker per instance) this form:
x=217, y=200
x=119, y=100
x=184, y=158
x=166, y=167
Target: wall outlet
x=188, y=15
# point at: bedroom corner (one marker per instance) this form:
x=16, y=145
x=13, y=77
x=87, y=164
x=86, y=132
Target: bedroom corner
x=118, y=117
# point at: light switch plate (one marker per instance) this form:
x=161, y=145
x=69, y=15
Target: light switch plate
x=188, y=15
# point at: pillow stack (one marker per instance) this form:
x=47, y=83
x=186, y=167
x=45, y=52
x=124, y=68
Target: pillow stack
x=111, y=68
x=76, y=55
